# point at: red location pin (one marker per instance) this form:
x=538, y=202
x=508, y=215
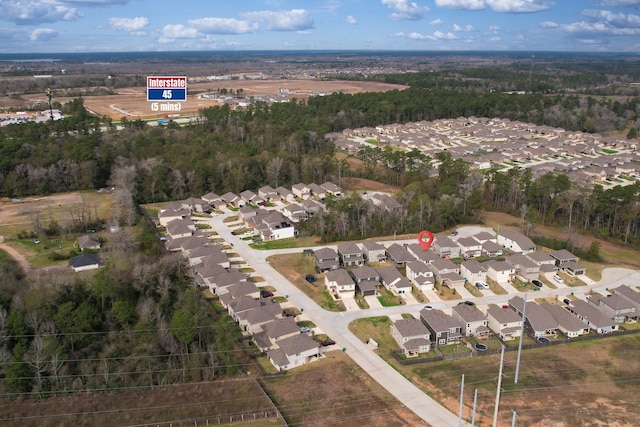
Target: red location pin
x=425, y=243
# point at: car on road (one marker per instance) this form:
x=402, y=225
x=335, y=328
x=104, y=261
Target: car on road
x=454, y=233
x=537, y=283
x=428, y=307
x=469, y=303
x=558, y=279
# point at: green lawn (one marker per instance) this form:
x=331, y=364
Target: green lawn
x=388, y=299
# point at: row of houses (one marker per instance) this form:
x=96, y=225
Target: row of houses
x=599, y=314
x=271, y=328
x=487, y=143
x=425, y=268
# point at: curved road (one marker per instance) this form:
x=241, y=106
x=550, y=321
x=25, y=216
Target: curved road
x=336, y=325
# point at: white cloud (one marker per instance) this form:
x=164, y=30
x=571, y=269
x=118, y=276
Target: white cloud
x=351, y=20
x=42, y=34
x=619, y=20
x=30, y=12
x=131, y=25
x=284, y=20
x=304, y=32
x=438, y=35
x=619, y=3
x=549, y=24
x=405, y=10
x=96, y=2
x=462, y=4
x=507, y=6
x=458, y=28
x=494, y=28
x=223, y=26
x=436, y=22
x=172, y=32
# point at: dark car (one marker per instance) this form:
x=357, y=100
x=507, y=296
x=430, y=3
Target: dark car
x=566, y=301
x=537, y=283
x=469, y=303
x=326, y=343
x=266, y=294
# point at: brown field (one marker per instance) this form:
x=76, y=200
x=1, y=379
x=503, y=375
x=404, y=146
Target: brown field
x=132, y=102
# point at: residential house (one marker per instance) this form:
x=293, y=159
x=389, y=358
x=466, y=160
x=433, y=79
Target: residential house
x=474, y=323
x=568, y=262
x=247, y=215
x=629, y=294
x=84, y=262
x=317, y=191
x=293, y=351
x=395, y=282
x=254, y=320
x=537, y=320
x=399, y=255
x=170, y=212
x=269, y=194
x=420, y=254
x=594, y=318
x=311, y=207
x=386, y=202
x=447, y=273
x=568, y=324
x=294, y=212
x=473, y=271
x=469, y=247
x=504, y=322
x=89, y=242
x=485, y=236
x=499, y=271
x=214, y=201
x=367, y=280
x=617, y=307
x=233, y=200
x=286, y=195
x=412, y=336
x=420, y=275
x=196, y=204
x=277, y=329
x=251, y=198
x=339, y=283
x=374, y=251
x=180, y=228
x=524, y=266
x=516, y=242
x=332, y=189
x=350, y=254
x=301, y=191
x=444, y=329
x=327, y=259
x=196, y=255
x=240, y=305
x=444, y=247
x=272, y=225
x=492, y=249
x=545, y=261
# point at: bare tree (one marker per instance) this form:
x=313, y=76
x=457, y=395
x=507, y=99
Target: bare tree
x=274, y=169
x=37, y=361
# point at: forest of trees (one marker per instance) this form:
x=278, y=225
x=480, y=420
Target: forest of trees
x=137, y=323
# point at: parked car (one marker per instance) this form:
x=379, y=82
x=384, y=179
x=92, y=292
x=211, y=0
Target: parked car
x=469, y=303
x=537, y=283
x=505, y=305
x=326, y=343
x=428, y=307
x=305, y=329
x=266, y=294
x=558, y=279
x=482, y=285
x=566, y=301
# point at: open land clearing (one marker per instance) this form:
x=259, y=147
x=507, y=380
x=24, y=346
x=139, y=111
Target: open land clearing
x=132, y=102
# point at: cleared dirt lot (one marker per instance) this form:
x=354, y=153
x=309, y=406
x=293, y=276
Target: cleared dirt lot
x=132, y=102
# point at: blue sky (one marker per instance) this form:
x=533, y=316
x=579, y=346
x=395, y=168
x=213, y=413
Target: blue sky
x=30, y=26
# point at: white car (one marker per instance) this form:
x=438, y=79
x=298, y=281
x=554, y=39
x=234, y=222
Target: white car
x=558, y=279
x=482, y=285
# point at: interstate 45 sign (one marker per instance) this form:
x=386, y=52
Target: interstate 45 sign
x=167, y=88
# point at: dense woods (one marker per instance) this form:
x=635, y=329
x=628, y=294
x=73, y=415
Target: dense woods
x=138, y=323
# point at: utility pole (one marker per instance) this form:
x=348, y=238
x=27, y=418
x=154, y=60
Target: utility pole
x=461, y=397
x=495, y=411
x=524, y=312
x=514, y=418
x=50, y=107
x=473, y=414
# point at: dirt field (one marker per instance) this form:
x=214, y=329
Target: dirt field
x=132, y=102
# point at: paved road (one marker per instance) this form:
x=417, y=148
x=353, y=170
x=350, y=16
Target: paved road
x=336, y=325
